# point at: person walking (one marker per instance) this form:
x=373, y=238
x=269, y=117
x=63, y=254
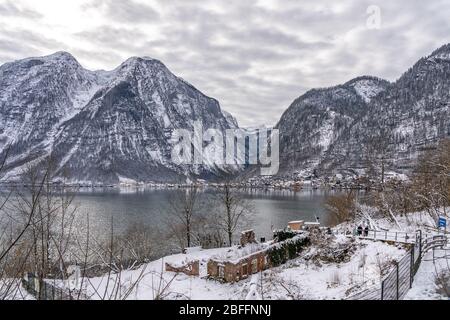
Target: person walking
x=366, y=231
x=359, y=230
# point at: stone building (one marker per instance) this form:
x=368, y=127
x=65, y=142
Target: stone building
x=252, y=257
x=238, y=269
x=247, y=237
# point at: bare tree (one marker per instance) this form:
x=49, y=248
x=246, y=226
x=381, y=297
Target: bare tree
x=341, y=208
x=183, y=212
x=47, y=212
x=124, y=251
x=208, y=232
x=14, y=253
x=43, y=236
x=109, y=258
x=234, y=210
x=431, y=181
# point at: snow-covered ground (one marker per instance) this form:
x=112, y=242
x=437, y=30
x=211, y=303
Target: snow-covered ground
x=332, y=267
x=321, y=280
x=155, y=283
x=315, y=274
x=11, y=289
x=425, y=285
x=307, y=277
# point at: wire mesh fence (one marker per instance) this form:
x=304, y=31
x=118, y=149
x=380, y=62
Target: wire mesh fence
x=399, y=280
x=44, y=290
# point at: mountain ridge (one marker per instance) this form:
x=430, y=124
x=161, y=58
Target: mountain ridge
x=64, y=110
x=123, y=118
x=408, y=114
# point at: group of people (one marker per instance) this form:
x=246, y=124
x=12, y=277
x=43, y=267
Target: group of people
x=362, y=231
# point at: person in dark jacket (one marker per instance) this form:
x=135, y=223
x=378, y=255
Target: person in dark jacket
x=366, y=231
x=359, y=230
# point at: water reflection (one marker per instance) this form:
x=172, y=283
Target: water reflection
x=128, y=206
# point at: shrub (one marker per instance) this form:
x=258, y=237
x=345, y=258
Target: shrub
x=283, y=235
x=284, y=251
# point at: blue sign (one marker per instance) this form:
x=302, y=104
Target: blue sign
x=442, y=223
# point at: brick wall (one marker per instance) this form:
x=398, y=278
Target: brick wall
x=236, y=271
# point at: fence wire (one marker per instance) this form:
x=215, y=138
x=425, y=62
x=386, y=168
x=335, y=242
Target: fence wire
x=399, y=280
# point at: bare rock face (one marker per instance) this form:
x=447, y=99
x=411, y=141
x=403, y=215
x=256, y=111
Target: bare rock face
x=102, y=126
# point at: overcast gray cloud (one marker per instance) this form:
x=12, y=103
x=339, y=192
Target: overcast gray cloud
x=8, y=8
x=254, y=56
x=124, y=10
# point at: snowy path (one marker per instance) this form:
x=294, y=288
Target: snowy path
x=424, y=285
x=395, y=236
x=401, y=237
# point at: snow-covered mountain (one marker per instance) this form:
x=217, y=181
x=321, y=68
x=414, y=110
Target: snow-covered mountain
x=111, y=126
x=350, y=125
x=315, y=121
x=101, y=126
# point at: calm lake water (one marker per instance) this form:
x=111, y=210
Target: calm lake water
x=129, y=206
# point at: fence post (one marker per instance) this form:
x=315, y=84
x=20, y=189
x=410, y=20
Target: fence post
x=385, y=235
x=411, y=271
x=420, y=243
x=375, y=234
x=397, y=282
x=382, y=290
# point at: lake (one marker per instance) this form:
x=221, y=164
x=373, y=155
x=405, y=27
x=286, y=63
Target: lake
x=149, y=207
x=129, y=206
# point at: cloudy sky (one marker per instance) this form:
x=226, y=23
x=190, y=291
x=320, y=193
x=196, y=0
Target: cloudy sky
x=254, y=56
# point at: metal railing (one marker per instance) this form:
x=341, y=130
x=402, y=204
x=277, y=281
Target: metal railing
x=382, y=235
x=436, y=241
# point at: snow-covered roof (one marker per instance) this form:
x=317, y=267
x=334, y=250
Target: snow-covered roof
x=235, y=254
x=312, y=223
